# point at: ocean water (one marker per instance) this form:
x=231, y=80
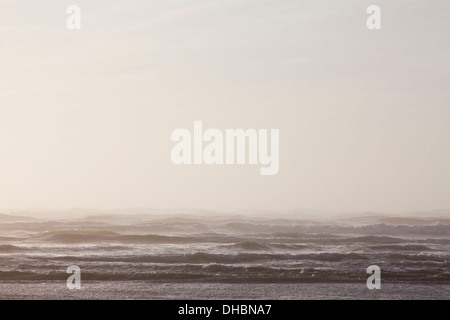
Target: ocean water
x=185, y=256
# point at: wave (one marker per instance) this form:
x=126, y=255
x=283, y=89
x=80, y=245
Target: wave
x=264, y=246
x=419, y=257
x=249, y=246
x=78, y=236
x=403, y=247
x=372, y=239
x=257, y=243
x=202, y=257
x=436, y=229
x=154, y=238
x=9, y=248
x=110, y=236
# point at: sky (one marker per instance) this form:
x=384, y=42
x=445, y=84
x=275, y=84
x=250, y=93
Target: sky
x=86, y=115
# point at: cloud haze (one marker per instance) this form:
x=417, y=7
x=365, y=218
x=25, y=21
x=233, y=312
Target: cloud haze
x=86, y=116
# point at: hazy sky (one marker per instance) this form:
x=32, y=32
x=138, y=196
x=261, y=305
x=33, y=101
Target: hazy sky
x=86, y=116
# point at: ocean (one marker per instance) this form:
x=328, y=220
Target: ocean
x=185, y=256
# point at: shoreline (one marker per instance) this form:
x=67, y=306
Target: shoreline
x=157, y=290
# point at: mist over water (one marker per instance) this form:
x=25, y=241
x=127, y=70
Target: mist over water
x=226, y=249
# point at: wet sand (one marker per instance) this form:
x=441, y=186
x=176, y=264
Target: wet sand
x=154, y=290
